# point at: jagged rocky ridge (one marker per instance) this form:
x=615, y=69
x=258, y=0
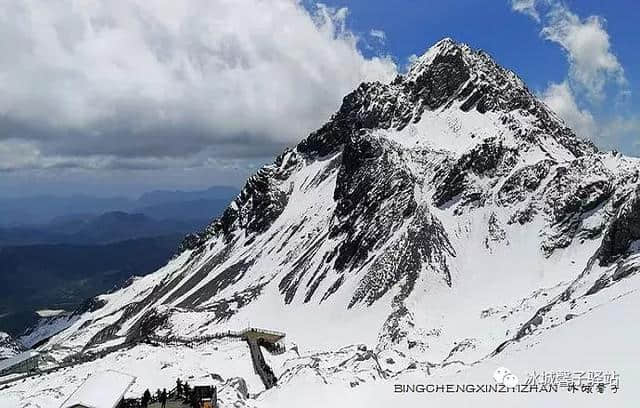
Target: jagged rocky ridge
x=451, y=182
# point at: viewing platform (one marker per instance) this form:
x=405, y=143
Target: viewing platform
x=255, y=337
x=265, y=335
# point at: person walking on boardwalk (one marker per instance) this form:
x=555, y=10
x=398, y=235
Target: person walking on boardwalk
x=163, y=398
x=179, y=387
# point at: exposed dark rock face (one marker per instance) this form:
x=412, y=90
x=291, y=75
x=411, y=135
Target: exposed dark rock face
x=424, y=246
x=191, y=241
x=622, y=232
x=225, y=309
x=457, y=72
x=90, y=305
x=436, y=84
x=223, y=280
x=523, y=182
x=133, y=310
x=104, y=335
x=568, y=192
x=196, y=277
x=9, y=346
x=453, y=73
x=569, y=197
x=260, y=202
x=146, y=326
x=495, y=232
x=292, y=280
x=488, y=159
x=374, y=194
x=371, y=106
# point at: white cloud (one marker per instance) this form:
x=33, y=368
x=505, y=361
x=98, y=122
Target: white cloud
x=586, y=42
x=617, y=132
x=378, y=35
x=622, y=132
x=592, y=66
x=17, y=154
x=561, y=100
x=156, y=80
x=527, y=7
x=588, y=49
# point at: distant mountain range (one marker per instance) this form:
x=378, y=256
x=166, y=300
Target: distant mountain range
x=55, y=252
x=62, y=276
x=104, y=228
x=162, y=204
x=167, y=196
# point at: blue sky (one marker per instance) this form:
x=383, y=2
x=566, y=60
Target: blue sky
x=107, y=100
x=412, y=26
x=513, y=38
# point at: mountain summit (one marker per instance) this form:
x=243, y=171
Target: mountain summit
x=432, y=222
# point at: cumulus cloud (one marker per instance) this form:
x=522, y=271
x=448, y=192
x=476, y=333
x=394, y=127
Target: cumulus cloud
x=588, y=49
x=612, y=133
x=561, y=100
x=592, y=67
x=586, y=42
x=159, y=82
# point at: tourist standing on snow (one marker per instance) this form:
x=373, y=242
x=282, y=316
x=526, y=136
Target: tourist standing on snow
x=163, y=398
x=146, y=397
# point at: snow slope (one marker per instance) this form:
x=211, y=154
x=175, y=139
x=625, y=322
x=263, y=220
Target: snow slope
x=583, y=344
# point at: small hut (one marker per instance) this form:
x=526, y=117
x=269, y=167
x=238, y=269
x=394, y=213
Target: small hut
x=206, y=395
x=101, y=390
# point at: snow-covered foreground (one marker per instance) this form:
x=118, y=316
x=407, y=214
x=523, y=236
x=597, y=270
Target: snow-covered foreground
x=596, y=342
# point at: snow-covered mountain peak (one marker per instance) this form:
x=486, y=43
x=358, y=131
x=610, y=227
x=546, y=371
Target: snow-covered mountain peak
x=459, y=59
x=453, y=98
x=444, y=47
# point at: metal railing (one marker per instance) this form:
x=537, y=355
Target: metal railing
x=215, y=336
